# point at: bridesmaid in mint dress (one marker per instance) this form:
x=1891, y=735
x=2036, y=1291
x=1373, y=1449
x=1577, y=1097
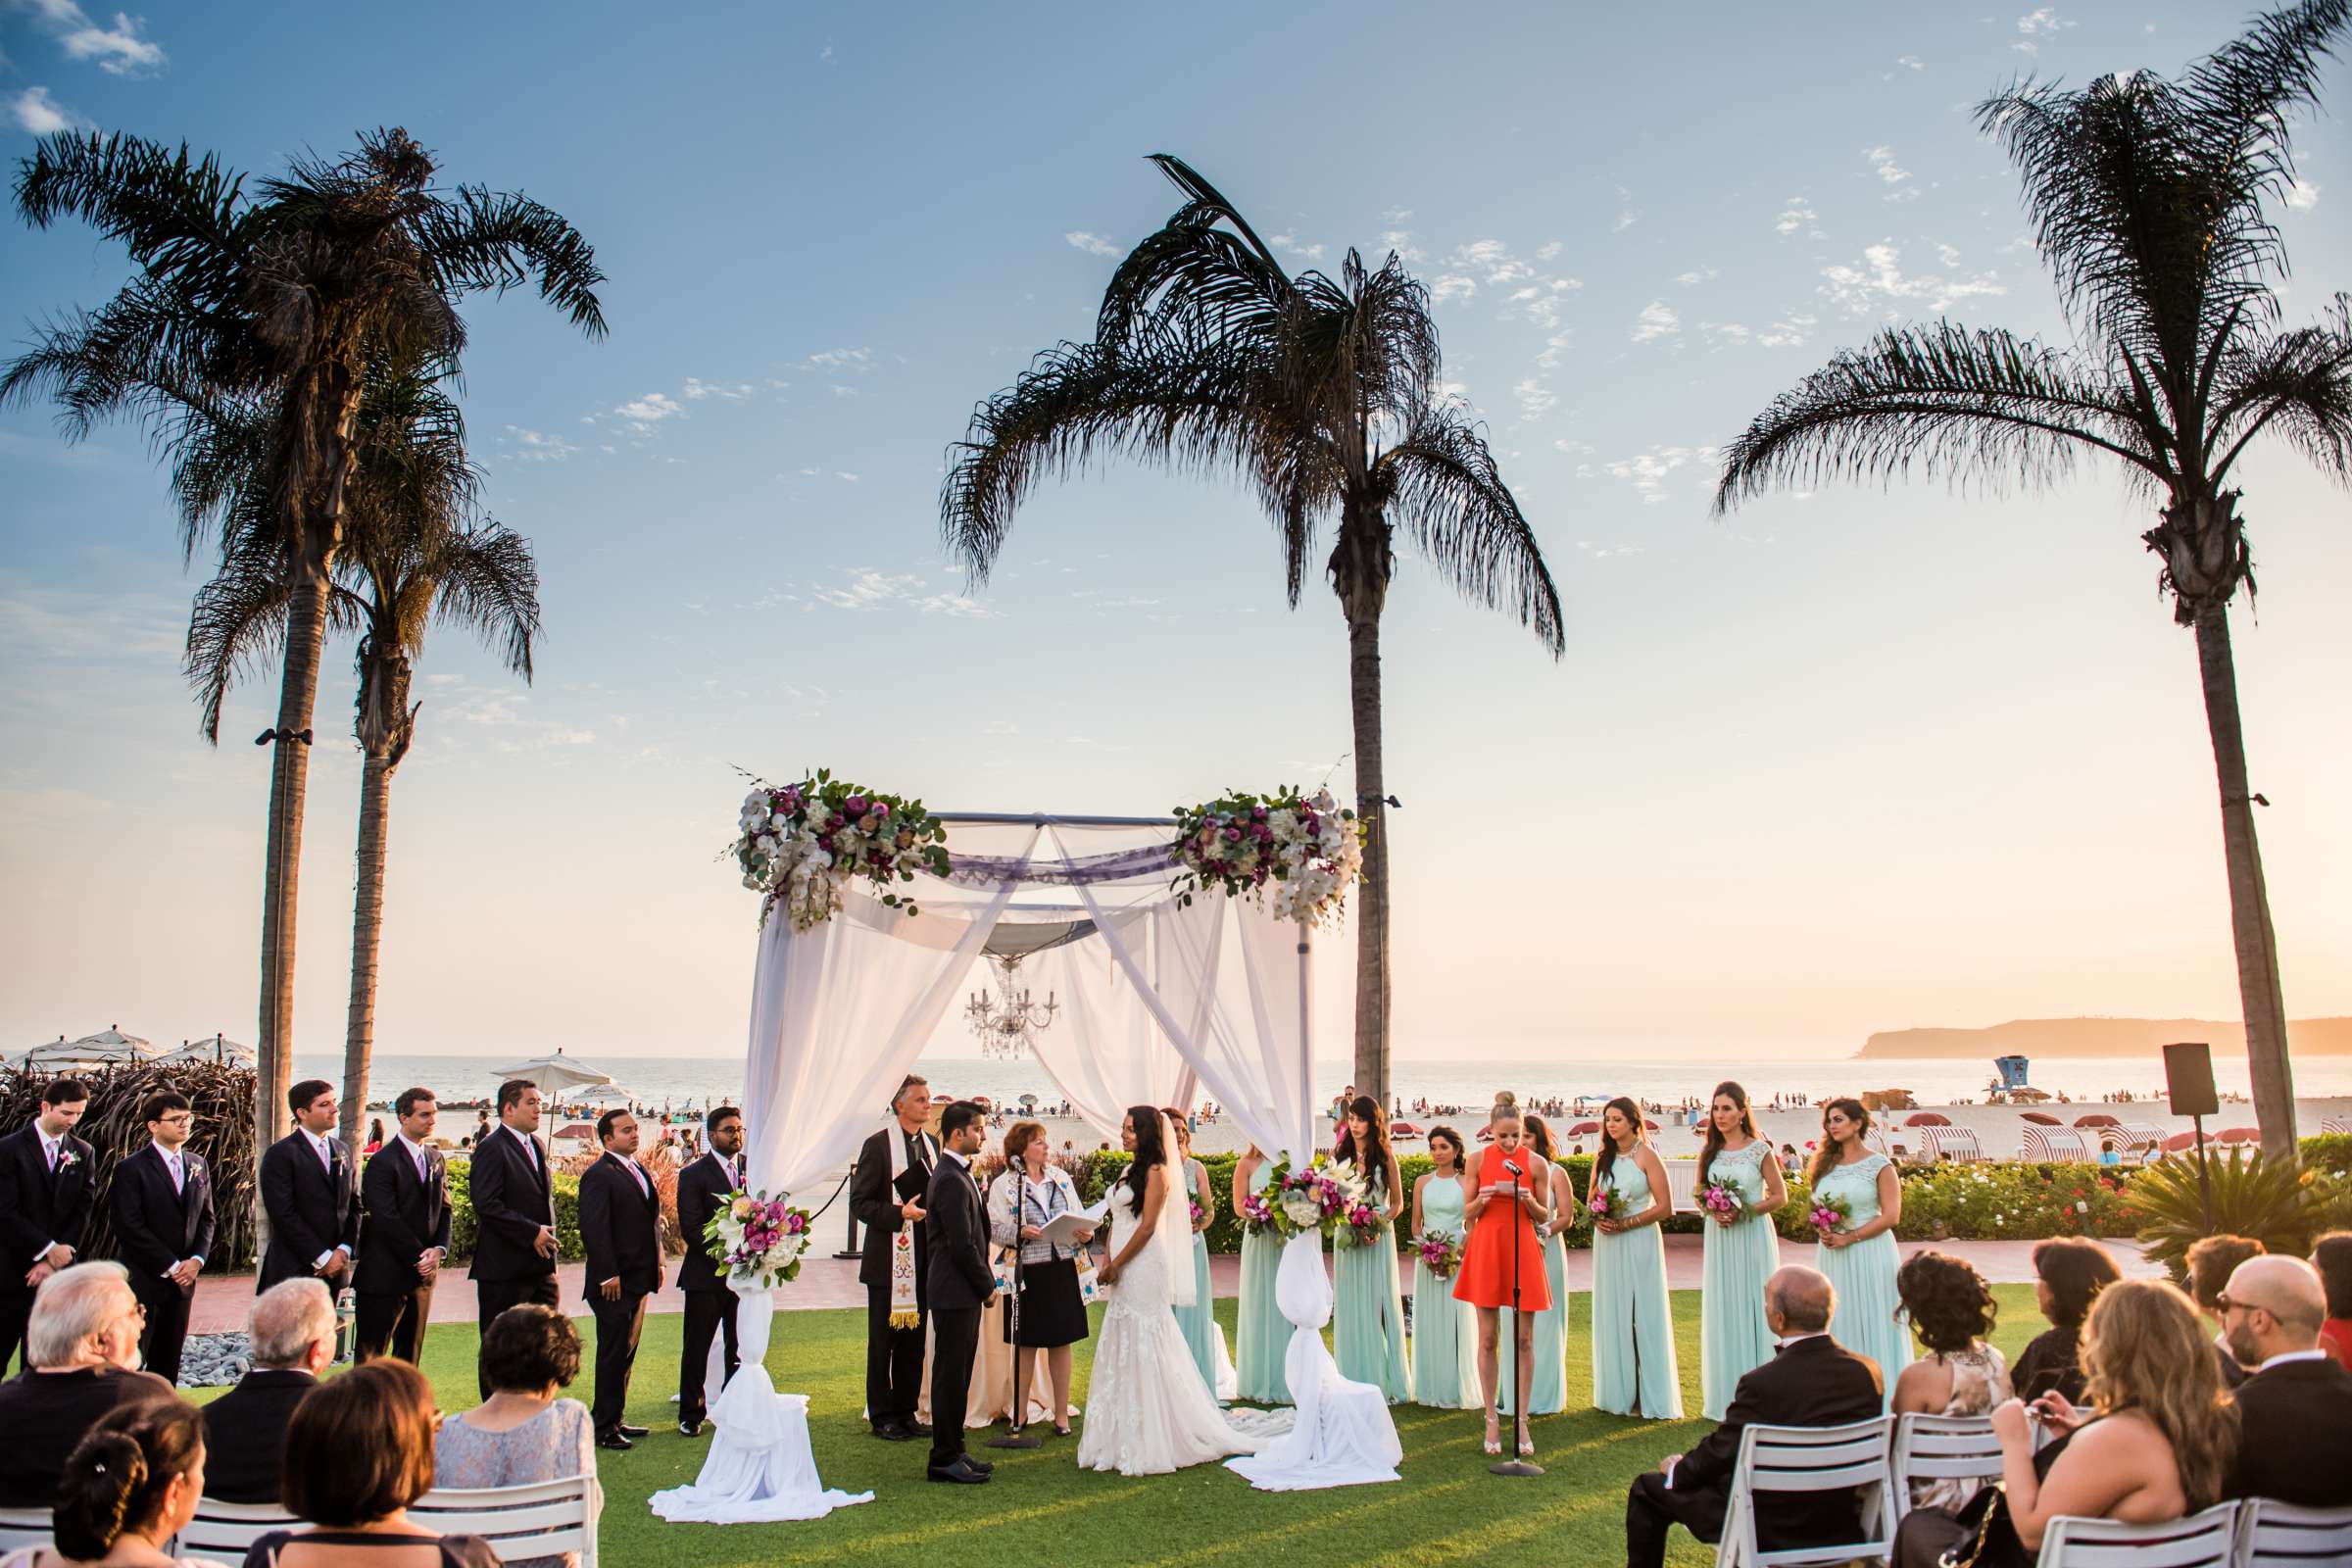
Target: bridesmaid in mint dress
x=1445, y=1329
x=1262, y=1333
x=1199, y=1321
x=1548, y=1392
x=1634, y=1371
x=1367, y=1326
x=1860, y=1257
x=1742, y=1255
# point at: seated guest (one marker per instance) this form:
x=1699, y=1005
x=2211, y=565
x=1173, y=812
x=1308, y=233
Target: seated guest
x=292, y=1327
x=2069, y=1273
x=359, y=1451
x=2295, y=1408
x=83, y=1345
x=524, y=1431
x=2210, y=1262
x=2331, y=1256
x=2157, y=1440
x=129, y=1485
x=1952, y=1310
x=1811, y=1381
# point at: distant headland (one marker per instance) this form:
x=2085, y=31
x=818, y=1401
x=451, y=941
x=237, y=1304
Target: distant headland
x=2098, y=1037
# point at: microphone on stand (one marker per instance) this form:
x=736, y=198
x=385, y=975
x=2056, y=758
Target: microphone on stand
x=1016, y=1437
x=1515, y=1466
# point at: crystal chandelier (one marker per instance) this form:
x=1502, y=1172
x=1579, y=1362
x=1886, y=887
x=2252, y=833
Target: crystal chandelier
x=1005, y=1022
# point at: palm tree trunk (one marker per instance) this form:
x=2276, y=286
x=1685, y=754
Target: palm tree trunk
x=289, y=780
x=2258, y=985
x=367, y=937
x=1372, y=894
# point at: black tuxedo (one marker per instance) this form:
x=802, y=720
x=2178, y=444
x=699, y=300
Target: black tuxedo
x=156, y=1227
x=407, y=1217
x=2295, y=1432
x=313, y=1209
x=620, y=1217
x=893, y=1357
x=512, y=1197
x=37, y=1207
x=245, y=1434
x=1814, y=1382
x=960, y=1281
x=710, y=1305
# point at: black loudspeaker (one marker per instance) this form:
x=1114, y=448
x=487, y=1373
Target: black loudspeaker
x=2188, y=1079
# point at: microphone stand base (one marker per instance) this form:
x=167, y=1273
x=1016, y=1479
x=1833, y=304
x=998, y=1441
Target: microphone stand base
x=1015, y=1439
x=1514, y=1467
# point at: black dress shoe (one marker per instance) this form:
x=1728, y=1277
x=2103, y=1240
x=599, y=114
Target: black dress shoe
x=893, y=1432
x=916, y=1429
x=690, y=1429
x=613, y=1440
x=629, y=1432
x=986, y=1467
x=963, y=1472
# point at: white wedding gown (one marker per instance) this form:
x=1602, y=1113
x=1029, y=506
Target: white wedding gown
x=1146, y=1410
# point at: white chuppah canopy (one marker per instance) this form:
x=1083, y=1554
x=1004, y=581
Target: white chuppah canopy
x=841, y=1012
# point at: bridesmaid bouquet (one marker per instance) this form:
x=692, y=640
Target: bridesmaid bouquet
x=1722, y=1201
x=1829, y=1214
x=758, y=1238
x=1441, y=1252
x=1359, y=1225
x=1258, y=1216
x=1607, y=1202
x=1199, y=1213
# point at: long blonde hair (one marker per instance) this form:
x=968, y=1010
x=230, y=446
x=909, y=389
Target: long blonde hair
x=2145, y=1349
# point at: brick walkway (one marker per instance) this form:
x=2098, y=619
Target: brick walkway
x=826, y=1282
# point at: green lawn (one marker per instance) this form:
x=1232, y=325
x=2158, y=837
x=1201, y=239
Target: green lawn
x=1042, y=1508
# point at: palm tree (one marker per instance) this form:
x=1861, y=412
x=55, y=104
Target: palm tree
x=1323, y=393
x=413, y=555
x=283, y=299
x=2147, y=198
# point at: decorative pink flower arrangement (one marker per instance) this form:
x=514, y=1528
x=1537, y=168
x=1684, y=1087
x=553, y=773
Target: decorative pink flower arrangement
x=758, y=1238
x=800, y=844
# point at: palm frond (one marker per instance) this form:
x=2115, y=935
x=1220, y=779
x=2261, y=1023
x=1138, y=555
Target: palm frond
x=237, y=626
x=1441, y=486
x=2298, y=382
x=498, y=240
x=177, y=216
x=488, y=583
x=1981, y=407
x=1192, y=274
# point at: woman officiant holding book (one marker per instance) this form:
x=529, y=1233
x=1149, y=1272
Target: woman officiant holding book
x=1050, y=1312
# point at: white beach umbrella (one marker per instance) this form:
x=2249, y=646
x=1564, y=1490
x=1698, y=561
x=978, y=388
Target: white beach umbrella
x=220, y=1047
x=557, y=1071
x=108, y=1047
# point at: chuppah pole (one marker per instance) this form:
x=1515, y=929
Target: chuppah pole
x=1306, y=1040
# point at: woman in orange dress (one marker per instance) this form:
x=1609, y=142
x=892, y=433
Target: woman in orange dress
x=1500, y=1233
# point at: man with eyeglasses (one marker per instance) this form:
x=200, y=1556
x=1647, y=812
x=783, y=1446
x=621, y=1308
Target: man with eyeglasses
x=162, y=1204
x=81, y=1344
x=2295, y=1409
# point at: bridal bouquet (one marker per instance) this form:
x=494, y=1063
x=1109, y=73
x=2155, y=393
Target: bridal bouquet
x=800, y=844
x=1722, y=1201
x=1314, y=1199
x=1300, y=849
x=1441, y=1252
x=1829, y=1214
x=758, y=1238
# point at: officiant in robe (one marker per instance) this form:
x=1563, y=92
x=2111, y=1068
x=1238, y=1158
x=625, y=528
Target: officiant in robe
x=886, y=1195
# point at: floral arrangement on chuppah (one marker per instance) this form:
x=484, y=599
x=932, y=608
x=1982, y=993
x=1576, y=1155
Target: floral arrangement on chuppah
x=1302, y=851
x=800, y=844
x=1294, y=1203
x=758, y=1238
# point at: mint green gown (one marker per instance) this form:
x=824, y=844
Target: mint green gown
x=1548, y=1383
x=1367, y=1324
x=1734, y=1337
x=1633, y=1370
x=1870, y=1318
x=1445, y=1331
x=1199, y=1321
x=1263, y=1334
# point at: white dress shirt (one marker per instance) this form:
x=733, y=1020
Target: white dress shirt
x=327, y=1162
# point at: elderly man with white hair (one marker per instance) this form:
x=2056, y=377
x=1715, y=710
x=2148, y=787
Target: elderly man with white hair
x=292, y=1327
x=81, y=1344
x=2295, y=1411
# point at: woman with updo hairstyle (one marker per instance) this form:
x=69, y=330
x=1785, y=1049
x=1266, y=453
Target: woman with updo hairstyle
x=1503, y=1253
x=1951, y=1311
x=130, y=1485
x=1548, y=1389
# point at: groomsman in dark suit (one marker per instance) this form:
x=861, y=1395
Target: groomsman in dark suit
x=45, y=1190
x=1811, y=1381
x=405, y=1190
x=710, y=1305
x=310, y=1195
x=961, y=1285
x=620, y=1223
x=514, y=1210
x=886, y=1195
x=161, y=1203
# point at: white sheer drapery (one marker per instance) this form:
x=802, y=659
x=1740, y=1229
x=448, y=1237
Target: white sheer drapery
x=1106, y=1052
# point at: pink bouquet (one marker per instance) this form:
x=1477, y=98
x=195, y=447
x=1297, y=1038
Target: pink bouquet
x=1199, y=1213
x=1258, y=1216
x=1441, y=1252
x=1831, y=1214
x=760, y=1238
x=1360, y=1225
x=1722, y=1202
x=1607, y=1202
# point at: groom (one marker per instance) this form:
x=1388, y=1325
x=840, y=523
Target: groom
x=886, y=1195
x=961, y=1285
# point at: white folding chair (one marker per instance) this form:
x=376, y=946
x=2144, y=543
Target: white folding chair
x=225, y=1529
x=24, y=1526
x=1943, y=1447
x=1811, y=1459
x=539, y=1519
x=2205, y=1540
x=2280, y=1535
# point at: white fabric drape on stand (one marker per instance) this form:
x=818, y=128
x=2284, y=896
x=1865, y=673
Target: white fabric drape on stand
x=1106, y=1052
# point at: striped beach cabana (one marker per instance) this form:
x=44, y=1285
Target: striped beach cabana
x=1950, y=1142
x=2055, y=1145
x=2132, y=1137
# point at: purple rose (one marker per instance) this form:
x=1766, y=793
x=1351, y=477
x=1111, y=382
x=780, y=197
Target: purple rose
x=855, y=806
x=881, y=809
x=1257, y=813
x=1233, y=835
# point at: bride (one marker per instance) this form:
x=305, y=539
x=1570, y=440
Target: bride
x=1146, y=1410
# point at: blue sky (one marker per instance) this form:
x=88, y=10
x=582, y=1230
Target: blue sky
x=1843, y=761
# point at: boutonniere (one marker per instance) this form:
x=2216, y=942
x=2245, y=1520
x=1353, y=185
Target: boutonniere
x=67, y=1160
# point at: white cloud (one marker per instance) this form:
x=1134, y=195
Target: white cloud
x=2043, y=18
x=1289, y=242
x=38, y=114
x=1536, y=399
x=1092, y=243
x=1656, y=320
x=1879, y=284
x=650, y=410
x=868, y=589
x=532, y=446
x=2303, y=195
x=1624, y=221
x=1396, y=214
x=956, y=605
x=1492, y=258
x=695, y=390
x=1550, y=250
x=1400, y=240
x=844, y=476
x=1882, y=159
x=1911, y=62
x=118, y=50
x=1553, y=347
x=1647, y=472
x=1453, y=286
x=842, y=358
x=1790, y=331
x=1799, y=213
x=1696, y=275
x=1724, y=334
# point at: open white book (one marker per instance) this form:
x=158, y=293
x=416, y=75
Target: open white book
x=1062, y=1229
